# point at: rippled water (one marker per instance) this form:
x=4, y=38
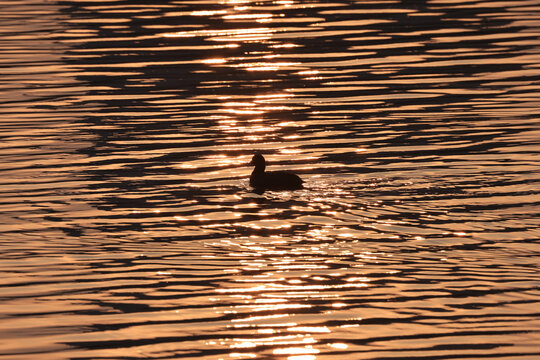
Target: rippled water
x=129, y=229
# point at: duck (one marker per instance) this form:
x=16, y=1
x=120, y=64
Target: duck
x=272, y=180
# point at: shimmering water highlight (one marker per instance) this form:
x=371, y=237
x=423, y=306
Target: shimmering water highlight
x=128, y=226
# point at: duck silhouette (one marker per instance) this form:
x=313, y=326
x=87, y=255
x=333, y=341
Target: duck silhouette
x=272, y=180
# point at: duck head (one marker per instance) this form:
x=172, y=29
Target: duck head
x=258, y=161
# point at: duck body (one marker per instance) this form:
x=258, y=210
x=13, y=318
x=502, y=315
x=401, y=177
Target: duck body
x=272, y=180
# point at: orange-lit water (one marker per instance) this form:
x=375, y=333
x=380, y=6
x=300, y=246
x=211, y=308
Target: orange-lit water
x=129, y=230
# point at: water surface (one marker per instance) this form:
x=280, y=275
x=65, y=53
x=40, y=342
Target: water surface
x=128, y=227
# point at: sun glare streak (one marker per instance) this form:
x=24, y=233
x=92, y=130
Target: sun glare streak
x=247, y=16
x=208, y=12
x=243, y=355
x=286, y=340
x=296, y=350
x=214, y=61
x=279, y=287
x=251, y=34
x=272, y=296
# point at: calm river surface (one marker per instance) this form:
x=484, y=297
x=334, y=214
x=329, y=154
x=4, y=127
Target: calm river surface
x=128, y=229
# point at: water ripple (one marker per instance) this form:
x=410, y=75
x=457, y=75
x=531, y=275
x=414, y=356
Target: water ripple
x=129, y=229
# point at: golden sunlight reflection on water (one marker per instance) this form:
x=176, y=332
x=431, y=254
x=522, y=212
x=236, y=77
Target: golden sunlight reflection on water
x=129, y=229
